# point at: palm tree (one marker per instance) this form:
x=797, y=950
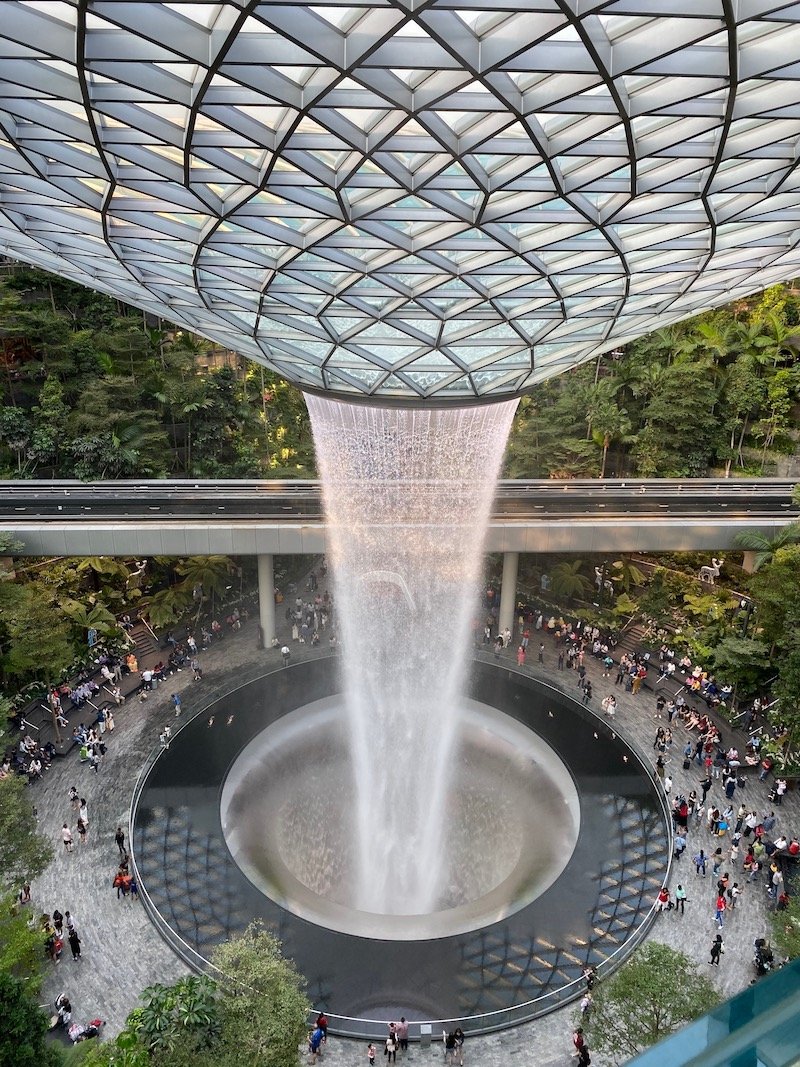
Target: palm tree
x=97, y=617
x=165, y=606
x=608, y=423
x=720, y=336
x=210, y=574
x=765, y=547
x=567, y=581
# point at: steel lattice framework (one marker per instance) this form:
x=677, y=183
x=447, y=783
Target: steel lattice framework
x=420, y=199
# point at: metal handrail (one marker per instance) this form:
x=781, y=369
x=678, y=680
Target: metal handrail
x=485, y=1022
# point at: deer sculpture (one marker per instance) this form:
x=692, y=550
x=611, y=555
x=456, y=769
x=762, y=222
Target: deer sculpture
x=708, y=574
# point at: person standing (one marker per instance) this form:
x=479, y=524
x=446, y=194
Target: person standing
x=541, y=660
x=314, y=1043
x=679, y=842
x=176, y=702
x=390, y=1048
x=705, y=785
x=780, y=790
x=74, y=944
x=119, y=837
x=587, y=692
x=402, y=1034
x=520, y=656
x=371, y=1054
x=719, y=913
x=700, y=863
x=66, y=837
x=680, y=899
x=81, y=831
x=83, y=812
x=285, y=654
x=58, y=922
x=717, y=948
x=578, y=1040
x=74, y=798
x=459, y=1053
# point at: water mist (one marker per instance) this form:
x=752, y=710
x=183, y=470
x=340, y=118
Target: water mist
x=407, y=495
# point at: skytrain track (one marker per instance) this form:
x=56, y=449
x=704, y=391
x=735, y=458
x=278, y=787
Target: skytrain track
x=301, y=501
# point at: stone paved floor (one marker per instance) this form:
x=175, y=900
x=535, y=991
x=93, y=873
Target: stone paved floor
x=122, y=952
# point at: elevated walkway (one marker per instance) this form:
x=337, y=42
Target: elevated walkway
x=251, y=518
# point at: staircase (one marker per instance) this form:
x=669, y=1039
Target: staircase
x=630, y=640
x=146, y=644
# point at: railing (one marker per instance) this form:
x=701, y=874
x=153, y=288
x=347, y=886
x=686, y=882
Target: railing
x=347, y=1026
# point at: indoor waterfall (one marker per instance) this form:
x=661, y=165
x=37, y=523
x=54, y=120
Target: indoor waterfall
x=407, y=495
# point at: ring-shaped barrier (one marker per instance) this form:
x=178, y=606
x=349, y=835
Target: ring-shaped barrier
x=505, y=972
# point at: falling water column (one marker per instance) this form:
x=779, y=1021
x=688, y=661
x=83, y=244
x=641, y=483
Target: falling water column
x=407, y=495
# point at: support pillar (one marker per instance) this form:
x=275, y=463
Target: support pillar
x=508, y=591
x=749, y=562
x=266, y=599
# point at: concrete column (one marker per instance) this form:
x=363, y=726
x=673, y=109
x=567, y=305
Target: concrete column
x=508, y=591
x=266, y=599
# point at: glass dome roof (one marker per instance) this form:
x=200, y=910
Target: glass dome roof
x=408, y=200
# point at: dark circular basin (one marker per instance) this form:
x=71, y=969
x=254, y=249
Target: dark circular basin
x=559, y=844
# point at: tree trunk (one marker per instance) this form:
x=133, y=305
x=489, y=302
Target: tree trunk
x=606, y=443
x=741, y=440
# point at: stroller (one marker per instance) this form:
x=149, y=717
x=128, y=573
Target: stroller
x=62, y=1022
x=763, y=960
x=83, y=1031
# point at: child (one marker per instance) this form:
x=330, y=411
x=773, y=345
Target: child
x=371, y=1054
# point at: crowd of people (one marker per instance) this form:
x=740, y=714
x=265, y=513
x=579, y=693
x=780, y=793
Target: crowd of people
x=311, y=617
x=723, y=838
x=737, y=844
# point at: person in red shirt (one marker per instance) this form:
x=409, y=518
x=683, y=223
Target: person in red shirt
x=719, y=914
x=663, y=899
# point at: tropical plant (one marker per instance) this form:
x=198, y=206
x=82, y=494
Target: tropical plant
x=23, y=1035
x=764, y=547
x=657, y=992
x=786, y=928
x=263, y=1006
x=170, y=1013
x=206, y=576
x=24, y=852
x=164, y=607
x=86, y=618
x=625, y=571
x=567, y=581
x=607, y=421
